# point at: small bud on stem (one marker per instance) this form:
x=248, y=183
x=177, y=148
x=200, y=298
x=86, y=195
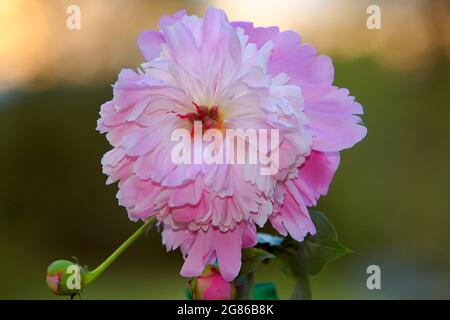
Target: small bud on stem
x=67, y=278
x=211, y=286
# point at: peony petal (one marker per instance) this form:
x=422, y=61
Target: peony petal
x=171, y=20
x=315, y=175
x=335, y=127
x=150, y=44
x=228, y=247
x=293, y=218
x=194, y=264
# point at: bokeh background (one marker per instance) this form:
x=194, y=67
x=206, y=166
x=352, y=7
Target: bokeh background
x=389, y=201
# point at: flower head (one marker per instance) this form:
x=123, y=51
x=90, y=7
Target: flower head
x=220, y=75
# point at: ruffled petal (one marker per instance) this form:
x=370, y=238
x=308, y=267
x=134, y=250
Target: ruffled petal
x=293, y=218
x=204, y=247
x=150, y=44
x=315, y=176
x=333, y=120
x=171, y=20
x=228, y=246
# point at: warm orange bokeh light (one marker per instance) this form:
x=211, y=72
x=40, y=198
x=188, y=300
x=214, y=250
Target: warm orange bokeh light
x=37, y=50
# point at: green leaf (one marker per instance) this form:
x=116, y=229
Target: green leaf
x=315, y=252
x=265, y=291
x=251, y=259
x=326, y=233
x=188, y=293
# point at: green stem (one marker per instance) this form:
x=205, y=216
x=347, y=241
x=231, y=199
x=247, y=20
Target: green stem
x=245, y=290
x=302, y=290
x=92, y=275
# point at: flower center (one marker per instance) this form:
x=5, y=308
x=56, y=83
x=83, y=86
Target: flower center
x=209, y=116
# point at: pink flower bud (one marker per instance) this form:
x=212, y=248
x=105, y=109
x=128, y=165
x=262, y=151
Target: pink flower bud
x=211, y=286
x=65, y=278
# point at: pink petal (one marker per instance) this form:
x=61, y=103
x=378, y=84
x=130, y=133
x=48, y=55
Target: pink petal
x=228, y=247
x=171, y=20
x=150, y=42
x=259, y=36
x=194, y=264
x=293, y=218
x=249, y=235
x=335, y=127
x=315, y=175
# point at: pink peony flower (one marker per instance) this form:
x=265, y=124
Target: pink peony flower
x=227, y=75
x=211, y=286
